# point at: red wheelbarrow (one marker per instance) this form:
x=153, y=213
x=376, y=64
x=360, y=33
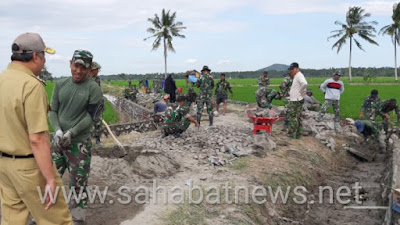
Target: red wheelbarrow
x=261, y=123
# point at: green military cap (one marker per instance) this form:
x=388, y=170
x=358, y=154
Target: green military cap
x=95, y=65
x=83, y=57
x=205, y=68
x=309, y=90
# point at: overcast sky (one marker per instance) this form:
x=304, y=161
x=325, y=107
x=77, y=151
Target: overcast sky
x=226, y=35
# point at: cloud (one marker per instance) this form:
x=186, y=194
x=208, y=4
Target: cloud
x=381, y=8
x=191, y=61
x=58, y=58
x=223, y=62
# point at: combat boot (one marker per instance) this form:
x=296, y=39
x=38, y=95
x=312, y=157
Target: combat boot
x=211, y=120
x=198, y=118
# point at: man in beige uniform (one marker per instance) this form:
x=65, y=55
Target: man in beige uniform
x=25, y=159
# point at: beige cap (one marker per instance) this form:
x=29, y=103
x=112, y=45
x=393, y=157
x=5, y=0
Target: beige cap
x=31, y=42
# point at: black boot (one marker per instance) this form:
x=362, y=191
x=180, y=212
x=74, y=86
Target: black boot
x=198, y=118
x=211, y=120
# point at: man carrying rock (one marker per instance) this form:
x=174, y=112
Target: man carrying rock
x=221, y=92
x=264, y=97
x=75, y=107
x=285, y=88
x=206, y=85
x=370, y=105
x=310, y=103
x=177, y=118
x=333, y=89
x=263, y=81
x=296, y=98
x=384, y=108
x=374, y=130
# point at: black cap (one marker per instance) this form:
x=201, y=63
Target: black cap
x=374, y=92
x=337, y=73
x=293, y=65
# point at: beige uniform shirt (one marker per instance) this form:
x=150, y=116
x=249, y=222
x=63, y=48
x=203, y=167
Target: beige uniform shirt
x=23, y=109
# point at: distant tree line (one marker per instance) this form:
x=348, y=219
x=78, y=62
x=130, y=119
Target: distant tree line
x=358, y=72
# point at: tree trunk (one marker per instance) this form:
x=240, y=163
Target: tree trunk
x=350, y=77
x=165, y=59
x=395, y=61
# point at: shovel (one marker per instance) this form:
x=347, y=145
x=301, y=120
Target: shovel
x=115, y=139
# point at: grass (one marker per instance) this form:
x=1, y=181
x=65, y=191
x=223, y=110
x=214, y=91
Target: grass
x=240, y=164
x=109, y=115
x=253, y=81
x=350, y=102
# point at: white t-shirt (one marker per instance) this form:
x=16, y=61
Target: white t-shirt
x=298, y=88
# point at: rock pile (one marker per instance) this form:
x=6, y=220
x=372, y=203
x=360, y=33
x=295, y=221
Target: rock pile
x=212, y=141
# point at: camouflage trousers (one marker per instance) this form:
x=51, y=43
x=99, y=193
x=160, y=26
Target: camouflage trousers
x=200, y=106
x=295, y=120
x=176, y=127
x=286, y=110
x=76, y=158
x=336, y=108
x=97, y=127
x=266, y=101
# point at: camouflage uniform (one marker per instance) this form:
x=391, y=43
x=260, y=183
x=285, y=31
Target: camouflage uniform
x=370, y=106
x=264, y=97
x=374, y=130
x=176, y=121
x=191, y=96
x=285, y=88
x=206, y=85
x=221, y=91
x=295, y=121
x=384, y=107
x=336, y=109
x=98, y=125
x=76, y=158
x=157, y=84
x=263, y=82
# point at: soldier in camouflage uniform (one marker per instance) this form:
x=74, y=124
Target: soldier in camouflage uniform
x=206, y=85
x=177, y=118
x=221, y=92
x=178, y=92
x=369, y=106
x=372, y=129
x=383, y=110
x=285, y=88
x=130, y=93
x=264, y=97
x=97, y=126
x=75, y=106
x=191, y=96
x=263, y=81
x=157, y=84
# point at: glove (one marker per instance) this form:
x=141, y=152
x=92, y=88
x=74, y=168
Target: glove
x=66, y=139
x=58, y=136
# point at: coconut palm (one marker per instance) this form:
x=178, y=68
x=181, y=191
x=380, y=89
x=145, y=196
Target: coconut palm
x=393, y=31
x=355, y=25
x=164, y=29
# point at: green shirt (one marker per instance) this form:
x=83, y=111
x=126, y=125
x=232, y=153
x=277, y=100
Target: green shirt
x=69, y=105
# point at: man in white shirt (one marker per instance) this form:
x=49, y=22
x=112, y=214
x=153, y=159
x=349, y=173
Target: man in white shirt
x=332, y=88
x=296, y=98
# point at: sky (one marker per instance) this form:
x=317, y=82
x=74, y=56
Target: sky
x=226, y=35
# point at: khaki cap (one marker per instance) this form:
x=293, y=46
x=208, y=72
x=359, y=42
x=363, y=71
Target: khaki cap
x=31, y=42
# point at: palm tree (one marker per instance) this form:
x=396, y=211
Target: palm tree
x=164, y=30
x=355, y=25
x=393, y=31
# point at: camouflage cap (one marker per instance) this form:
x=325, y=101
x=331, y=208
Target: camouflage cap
x=205, y=68
x=309, y=90
x=95, y=65
x=82, y=57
